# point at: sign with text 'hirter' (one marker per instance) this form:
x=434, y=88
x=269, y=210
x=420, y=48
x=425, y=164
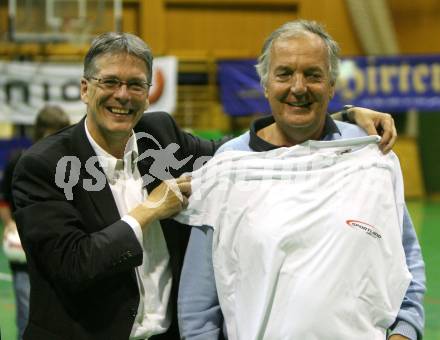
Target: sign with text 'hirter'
x=389, y=83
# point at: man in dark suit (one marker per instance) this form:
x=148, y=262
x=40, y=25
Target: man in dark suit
x=104, y=257
x=93, y=274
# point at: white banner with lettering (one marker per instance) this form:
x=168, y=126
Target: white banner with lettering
x=25, y=87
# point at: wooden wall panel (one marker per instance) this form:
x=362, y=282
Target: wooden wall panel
x=234, y=28
x=222, y=29
x=417, y=25
x=238, y=27
x=131, y=17
x=152, y=24
x=3, y=19
x=335, y=16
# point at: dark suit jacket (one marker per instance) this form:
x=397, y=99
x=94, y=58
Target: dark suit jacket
x=81, y=256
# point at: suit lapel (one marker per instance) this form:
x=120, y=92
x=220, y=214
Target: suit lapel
x=103, y=200
x=144, y=165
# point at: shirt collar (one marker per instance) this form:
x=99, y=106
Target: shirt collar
x=111, y=164
x=258, y=144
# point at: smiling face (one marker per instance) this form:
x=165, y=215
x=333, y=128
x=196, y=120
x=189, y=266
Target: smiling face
x=298, y=88
x=112, y=114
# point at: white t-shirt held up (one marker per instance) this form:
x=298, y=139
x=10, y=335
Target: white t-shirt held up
x=307, y=239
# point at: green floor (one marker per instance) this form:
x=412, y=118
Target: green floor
x=426, y=216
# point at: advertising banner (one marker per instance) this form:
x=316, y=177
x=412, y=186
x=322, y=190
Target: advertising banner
x=390, y=84
x=25, y=87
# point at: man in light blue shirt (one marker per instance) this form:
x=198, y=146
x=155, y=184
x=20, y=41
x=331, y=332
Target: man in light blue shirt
x=298, y=69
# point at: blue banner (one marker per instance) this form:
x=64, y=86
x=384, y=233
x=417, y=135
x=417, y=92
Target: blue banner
x=390, y=84
x=8, y=147
x=240, y=90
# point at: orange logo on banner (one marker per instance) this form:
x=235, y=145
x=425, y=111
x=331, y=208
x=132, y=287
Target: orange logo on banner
x=159, y=84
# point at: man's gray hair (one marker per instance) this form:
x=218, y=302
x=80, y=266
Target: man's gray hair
x=116, y=43
x=293, y=29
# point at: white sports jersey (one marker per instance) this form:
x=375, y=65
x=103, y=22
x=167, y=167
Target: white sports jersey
x=307, y=240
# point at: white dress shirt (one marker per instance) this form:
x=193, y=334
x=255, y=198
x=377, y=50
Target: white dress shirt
x=154, y=275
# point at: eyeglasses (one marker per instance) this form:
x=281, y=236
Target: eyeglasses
x=135, y=86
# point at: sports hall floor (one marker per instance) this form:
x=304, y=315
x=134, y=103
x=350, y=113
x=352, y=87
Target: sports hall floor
x=426, y=216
